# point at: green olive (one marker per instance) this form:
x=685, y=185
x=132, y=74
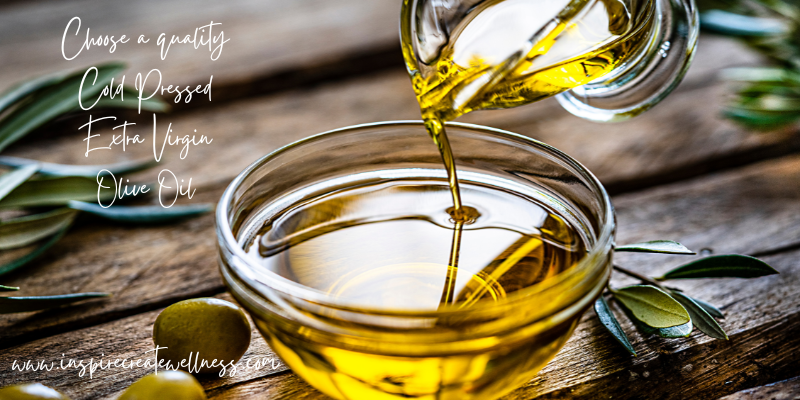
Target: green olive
x=30, y=391
x=208, y=329
x=173, y=385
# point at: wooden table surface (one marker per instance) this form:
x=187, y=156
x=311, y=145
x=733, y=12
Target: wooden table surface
x=296, y=68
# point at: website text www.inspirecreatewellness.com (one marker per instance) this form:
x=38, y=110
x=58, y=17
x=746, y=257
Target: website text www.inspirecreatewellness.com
x=149, y=360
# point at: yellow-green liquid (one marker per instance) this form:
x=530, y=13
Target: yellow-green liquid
x=591, y=39
x=388, y=246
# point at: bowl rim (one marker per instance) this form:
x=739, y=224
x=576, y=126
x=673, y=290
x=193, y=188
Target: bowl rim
x=605, y=238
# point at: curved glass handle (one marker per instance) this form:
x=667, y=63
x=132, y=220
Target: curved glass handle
x=637, y=86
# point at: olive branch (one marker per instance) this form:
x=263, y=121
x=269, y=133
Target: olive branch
x=768, y=97
x=656, y=309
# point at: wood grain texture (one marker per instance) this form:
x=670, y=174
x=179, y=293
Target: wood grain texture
x=762, y=315
x=131, y=339
x=783, y=390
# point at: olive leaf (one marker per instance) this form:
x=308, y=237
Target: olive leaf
x=32, y=255
x=768, y=103
x=772, y=97
x=710, y=308
x=22, y=231
x=87, y=171
x=733, y=24
x=56, y=191
x=130, y=99
x=673, y=332
x=9, y=305
x=142, y=214
x=759, y=119
x=609, y=321
x=701, y=318
x=10, y=180
x=24, y=89
x=724, y=266
x=51, y=102
x=4, y=288
x=773, y=75
x=656, y=246
x=652, y=306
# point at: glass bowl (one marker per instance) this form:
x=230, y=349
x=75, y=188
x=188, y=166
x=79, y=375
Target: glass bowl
x=351, y=352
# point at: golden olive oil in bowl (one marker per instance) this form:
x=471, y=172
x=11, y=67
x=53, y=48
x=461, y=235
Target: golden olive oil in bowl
x=345, y=250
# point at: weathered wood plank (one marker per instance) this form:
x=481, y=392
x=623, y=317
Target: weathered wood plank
x=762, y=315
x=680, y=133
x=126, y=339
x=783, y=390
x=290, y=387
x=681, y=138
x=145, y=268
x=267, y=39
x=762, y=320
